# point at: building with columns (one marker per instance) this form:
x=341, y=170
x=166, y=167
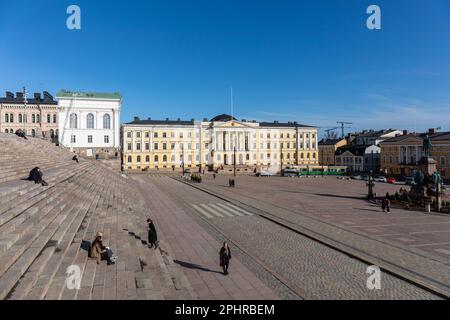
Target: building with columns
x=37, y=115
x=172, y=144
x=399, y=155
x=90, y=122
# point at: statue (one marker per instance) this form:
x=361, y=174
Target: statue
x=419, y=178
x=427, y=145
x=436, y=178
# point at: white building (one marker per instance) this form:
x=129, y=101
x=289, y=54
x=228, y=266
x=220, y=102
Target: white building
x=89, y=123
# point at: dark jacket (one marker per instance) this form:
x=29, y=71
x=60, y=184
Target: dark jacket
x=224, y=257
x=35, y=175
x=152, y=234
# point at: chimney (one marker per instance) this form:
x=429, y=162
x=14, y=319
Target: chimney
x=137, y=119
x=19, y=95
x=47, y=96
x=37, y=96
x=9, y=95
x=431, y=131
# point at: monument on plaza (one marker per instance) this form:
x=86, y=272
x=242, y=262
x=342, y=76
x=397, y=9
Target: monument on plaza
x=427, y=178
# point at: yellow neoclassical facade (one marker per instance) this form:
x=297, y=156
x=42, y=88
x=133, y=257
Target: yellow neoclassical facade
x=172, y=144
x=399, y=155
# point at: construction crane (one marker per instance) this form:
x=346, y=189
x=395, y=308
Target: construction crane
x=343, y=123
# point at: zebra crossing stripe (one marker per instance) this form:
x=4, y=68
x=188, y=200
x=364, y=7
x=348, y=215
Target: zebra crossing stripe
x=205, y=206
x=221, y=210
x=239, y=209
x=206, y=214
x=230, y=209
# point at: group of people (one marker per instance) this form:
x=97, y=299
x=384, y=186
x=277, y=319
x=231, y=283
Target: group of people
x=21, y=133
x=231, y=183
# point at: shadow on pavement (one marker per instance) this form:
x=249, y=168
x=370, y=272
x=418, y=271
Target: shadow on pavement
x=194, y=266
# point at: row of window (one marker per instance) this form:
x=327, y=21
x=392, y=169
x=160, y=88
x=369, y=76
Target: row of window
x=90, y=121
x=23, y=118
x=172, y=135
x=90, y=139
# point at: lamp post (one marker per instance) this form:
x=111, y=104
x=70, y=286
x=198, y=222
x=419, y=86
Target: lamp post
x=281, y=158
x=182, y=159
x=370, y=185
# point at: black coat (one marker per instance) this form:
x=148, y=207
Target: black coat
x=35, y=175
x=224, y=257
x=152, y=234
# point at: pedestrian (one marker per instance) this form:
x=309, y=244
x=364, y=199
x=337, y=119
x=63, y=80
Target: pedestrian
x=36, y=176
x=388, y=205
x=214, y=176
x=75, y=158
x=100, y=252
x=152, y=234
x=225, y=256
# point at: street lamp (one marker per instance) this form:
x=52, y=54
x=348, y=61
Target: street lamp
x=370, y=185
x=182, y=158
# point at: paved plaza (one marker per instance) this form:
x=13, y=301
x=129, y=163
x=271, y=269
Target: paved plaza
x=273, y=261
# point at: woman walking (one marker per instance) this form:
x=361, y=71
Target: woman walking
x=225, y=256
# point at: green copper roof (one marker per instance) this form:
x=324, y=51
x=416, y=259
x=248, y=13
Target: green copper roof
x=95, y=95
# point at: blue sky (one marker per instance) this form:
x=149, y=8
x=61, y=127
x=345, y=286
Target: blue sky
x=309, y=61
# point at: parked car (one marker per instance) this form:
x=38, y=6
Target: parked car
x=264, y=174
x=410, y=181
x=381, y=179
x=290, y=173
x=391, y=180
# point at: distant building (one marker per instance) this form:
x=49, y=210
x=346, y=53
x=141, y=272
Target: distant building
x=372, y=137
x=327, y=150
x=39, y=118
x=401, y=154
x=359, y=158
x=90, y=122
x=172, y=144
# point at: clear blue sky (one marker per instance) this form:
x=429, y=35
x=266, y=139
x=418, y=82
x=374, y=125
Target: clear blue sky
x=310, y=61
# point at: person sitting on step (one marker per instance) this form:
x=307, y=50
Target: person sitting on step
x=100, y=252
x=36, y=176
x=75, y=158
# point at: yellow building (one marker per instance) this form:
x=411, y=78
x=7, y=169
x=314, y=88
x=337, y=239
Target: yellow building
x=170, y=144
x=327, y=150
x=399, y=155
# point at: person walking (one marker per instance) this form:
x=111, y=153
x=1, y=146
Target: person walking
x=225, y=256
x=214, y=176
x=385, y=205
x=152, y=234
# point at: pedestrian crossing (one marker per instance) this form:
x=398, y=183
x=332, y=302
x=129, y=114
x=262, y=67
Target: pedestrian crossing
x=220, y=210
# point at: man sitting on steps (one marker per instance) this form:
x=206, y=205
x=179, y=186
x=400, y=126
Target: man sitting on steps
x=100, y=252
x=36, y=176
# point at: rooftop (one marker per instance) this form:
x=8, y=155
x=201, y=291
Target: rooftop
x=86, y=95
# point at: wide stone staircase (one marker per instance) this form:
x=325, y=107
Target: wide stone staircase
x=41, y=230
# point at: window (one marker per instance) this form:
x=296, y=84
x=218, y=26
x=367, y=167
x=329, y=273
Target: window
x=164, y=158
x=138, y=159
x=89, y=139
x=155, y=146
x=172, y=146
x=106, y=139
x=164, y=135
x=155, y=135
x=442, y=161
x=20, y=118
x=138, y=146
x=49, y=118
x=106, y=121
x=129, y=159
x=6, y=117
x=33, y=133
x=147, y=146
x=128, y=134
x=156, y=158
x=6, y=131
x=129, y=146
x=73, y=139
x=146, y=134
x=164, y=146
x=73, y=121
x=147, y=159
x=54, y=118
x=138, y=134
x=38, y=118
x=90, y=121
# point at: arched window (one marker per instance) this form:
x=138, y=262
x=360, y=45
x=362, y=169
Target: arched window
x=20, y=118
x=38, y=118
x=90, y=121
x=129, y=159
x=6, y=131
x=6, y=117
x=73, y=121
x=156, y=158
x=49, y=119
x=106, y=121
x=11, y=118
